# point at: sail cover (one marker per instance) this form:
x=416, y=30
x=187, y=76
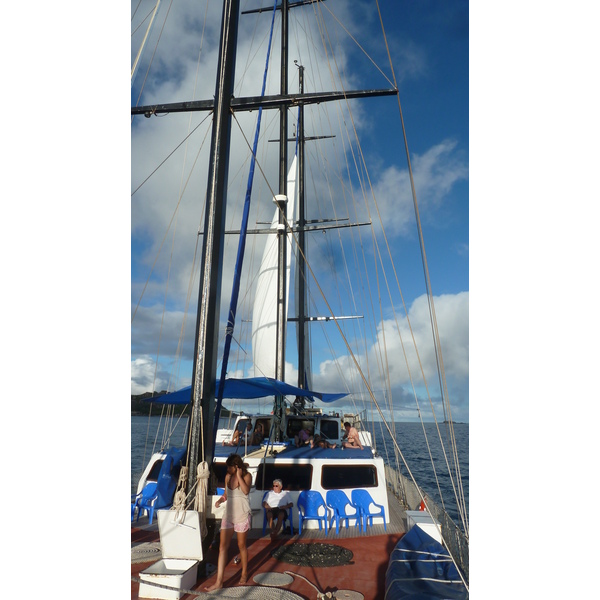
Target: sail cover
x=264, y=315
x=245, y=389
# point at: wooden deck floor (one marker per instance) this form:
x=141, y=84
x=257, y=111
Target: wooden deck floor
x=371, y=550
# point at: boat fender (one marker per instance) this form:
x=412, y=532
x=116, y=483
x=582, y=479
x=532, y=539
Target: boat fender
x=422, y=505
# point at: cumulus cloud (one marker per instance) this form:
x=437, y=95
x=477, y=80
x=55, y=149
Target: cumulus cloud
x=144, y=377
x=435, y=172
x=452, y=312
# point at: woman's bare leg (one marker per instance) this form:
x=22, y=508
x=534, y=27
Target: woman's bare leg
x=241, y=540
x=226, y=535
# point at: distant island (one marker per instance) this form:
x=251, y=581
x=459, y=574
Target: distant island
x=140, y=406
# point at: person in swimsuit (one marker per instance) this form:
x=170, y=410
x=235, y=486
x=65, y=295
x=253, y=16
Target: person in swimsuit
x=237, y=517
x=353, y=441
x=237, y=438
x=318, y=442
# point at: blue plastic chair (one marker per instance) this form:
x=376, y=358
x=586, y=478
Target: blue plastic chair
x=146, y=501
x=338, y=502
x=135, y=498
x=289, y=518
x=362, y=501
x=309, y=503
x=134, y=501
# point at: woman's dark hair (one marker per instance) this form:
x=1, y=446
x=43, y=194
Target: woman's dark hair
x=235, y=460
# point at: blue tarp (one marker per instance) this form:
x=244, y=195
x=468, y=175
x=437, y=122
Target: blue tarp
x=420, y=568
x=256, y=387
x=168, y=477
x=290, y=451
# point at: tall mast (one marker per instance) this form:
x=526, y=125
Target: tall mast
x=278, y=409
x=301, y=262
x=207, y=328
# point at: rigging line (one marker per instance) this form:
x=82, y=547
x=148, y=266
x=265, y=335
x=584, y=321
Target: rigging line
x=374, y=400
x=250, y=56
x=179, y=350
x=254, y=155
x=343, y=187
x=162, y=320
x=136, y=9
x=417, y=215
x=142, y=21
x=154, y=53
x=418, y=220
x=437, y=344
x=366, y=171
x=191, y=287
x=356, y=41
x=409, y=370
x=351, y=148
x=137, y=58
x=167, y=230
x=173, y=152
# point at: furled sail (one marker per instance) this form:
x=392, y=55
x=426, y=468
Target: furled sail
x=264, y=315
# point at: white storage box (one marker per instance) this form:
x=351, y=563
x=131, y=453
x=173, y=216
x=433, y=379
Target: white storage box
x=425, y=521
x=181, y=546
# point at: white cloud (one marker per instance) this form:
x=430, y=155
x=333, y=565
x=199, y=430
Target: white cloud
x=143, y=376
x=452, y=312
x=435, y=173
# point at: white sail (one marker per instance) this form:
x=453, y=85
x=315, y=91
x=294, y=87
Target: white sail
x=264, y=315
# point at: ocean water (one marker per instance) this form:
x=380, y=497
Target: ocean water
x=429, y=467
x=147, y=436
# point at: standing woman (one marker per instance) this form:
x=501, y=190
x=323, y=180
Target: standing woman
x=237, y=517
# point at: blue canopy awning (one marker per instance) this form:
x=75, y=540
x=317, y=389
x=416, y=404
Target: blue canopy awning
x=255, y=387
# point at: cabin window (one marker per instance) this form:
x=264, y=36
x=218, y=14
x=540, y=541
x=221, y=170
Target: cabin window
x=330, y=429
x=295, y=425
x=295, y=477
x=353, y=476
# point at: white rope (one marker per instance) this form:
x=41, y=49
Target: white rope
x=200, y=502
x=180, y=496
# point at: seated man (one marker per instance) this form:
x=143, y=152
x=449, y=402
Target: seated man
x=351, y=436
x=236, y=439
x=258, y=436
x=276, y=502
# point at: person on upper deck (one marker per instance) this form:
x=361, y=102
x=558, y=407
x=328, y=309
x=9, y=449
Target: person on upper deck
x=258, y=436
x=277, y=502
x=303, y=437
x=351, y=437
x=319, y=442
x=238, y=436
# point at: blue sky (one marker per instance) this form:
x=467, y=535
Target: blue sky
x=429, y=45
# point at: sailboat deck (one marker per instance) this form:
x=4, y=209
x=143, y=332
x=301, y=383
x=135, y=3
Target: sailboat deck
x=373, y=548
